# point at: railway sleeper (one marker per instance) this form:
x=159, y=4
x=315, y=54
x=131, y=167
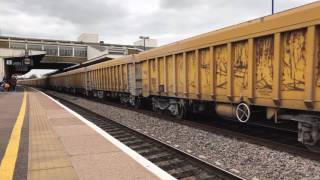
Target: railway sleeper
x=206, y=176
x=134, y=143
x=146, y=149
x=109, y=129
x=167, y=166
x=148, y=152
x=126, y=139
x=142, y=146
x=183, y=172
x=117, y=133
x=124, y=136
x=108, y=126
x=185, y=175
x=160, y=157
x=164, y=164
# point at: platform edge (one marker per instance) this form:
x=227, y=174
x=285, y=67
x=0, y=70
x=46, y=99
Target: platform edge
x=134, y=155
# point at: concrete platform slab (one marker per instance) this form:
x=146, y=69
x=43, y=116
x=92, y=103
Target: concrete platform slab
x=57, y=113
x=57, y=173
x=111, y=166
x=64, y=121
x=87, y=145
x=48, y=160
x=74, y=130
x=64, y=147
x=51, y=145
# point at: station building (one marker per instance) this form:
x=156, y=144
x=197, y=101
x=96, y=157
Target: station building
x=19, y=55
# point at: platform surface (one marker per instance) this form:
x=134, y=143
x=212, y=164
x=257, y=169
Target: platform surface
x=54, y=144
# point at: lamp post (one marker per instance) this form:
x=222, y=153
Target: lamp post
x=272, y=6
x=144, y=41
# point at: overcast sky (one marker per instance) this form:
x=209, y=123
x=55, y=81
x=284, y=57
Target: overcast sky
x=123, y=21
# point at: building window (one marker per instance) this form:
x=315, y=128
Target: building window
x=16, y=45
x=65, y=51
x=51, y=50
x=80, y=51
x=37, y=47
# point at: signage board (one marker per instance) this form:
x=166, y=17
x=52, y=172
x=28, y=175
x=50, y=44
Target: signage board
x=9, y=62
x=27, y=61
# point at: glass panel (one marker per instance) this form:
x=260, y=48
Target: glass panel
x=37, y=47
x=65, y=51
x=51, y=50
x=18, y=45
x=80, y=51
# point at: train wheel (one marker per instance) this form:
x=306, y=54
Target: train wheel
x=309, y=133
x=137, y=103
x=315, y=148
x=243, y=112
x=155, y=108
x=181, y=111
x=158, y=111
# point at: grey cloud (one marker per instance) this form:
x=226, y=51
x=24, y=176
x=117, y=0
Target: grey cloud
x=202, y=18
x=180, y=4
x=171, y=19
x=212, y=4
x=74, y=11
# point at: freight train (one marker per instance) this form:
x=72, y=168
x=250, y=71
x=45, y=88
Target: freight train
x=268, y=65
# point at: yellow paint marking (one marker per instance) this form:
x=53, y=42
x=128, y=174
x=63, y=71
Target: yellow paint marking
x=9, y=159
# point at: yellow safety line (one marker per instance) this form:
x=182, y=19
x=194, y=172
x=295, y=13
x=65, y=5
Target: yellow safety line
x=10, y=157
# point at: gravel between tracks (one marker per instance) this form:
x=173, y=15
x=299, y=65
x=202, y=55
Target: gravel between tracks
x=247, y=160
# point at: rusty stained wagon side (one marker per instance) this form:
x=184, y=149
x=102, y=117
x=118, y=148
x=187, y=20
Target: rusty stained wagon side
x=70, y=81
x=119, y=78
x=110, y=75
x=271, y=61
x=113, y=77
x=37, y=82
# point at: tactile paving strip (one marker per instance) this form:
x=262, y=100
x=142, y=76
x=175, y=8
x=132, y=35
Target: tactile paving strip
x=47, y=157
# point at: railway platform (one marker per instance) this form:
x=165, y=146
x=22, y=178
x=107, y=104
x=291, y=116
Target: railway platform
x=42, y=139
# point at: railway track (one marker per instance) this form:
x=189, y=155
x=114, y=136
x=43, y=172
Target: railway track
x=279, y=139
x=174, y=161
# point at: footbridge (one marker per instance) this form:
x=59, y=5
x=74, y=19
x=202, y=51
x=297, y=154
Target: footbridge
x=19, y=55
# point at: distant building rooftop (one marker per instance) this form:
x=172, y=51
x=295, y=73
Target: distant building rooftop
x=89, y=38
x=147, y=43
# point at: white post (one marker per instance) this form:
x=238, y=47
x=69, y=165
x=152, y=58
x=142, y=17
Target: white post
x=2, y=68
x=272, y=11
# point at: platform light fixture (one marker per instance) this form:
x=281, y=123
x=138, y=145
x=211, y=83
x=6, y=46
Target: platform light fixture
x=144, y=41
